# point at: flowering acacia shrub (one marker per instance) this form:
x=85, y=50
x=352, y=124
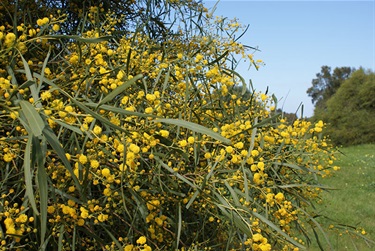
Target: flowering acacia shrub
x=129, y=143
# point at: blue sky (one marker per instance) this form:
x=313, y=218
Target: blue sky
x=296, y=38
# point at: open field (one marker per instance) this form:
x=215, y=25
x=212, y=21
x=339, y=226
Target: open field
x=354, y=201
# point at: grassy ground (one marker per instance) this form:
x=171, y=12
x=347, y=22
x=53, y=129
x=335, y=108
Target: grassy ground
x=354, y=201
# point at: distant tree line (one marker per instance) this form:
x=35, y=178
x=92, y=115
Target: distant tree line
x=345, y=99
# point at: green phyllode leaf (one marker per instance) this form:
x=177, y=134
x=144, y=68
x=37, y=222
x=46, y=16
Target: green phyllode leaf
x=33, y=118
x=196, y=128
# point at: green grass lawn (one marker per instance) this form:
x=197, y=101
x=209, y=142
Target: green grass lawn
x=354, y=201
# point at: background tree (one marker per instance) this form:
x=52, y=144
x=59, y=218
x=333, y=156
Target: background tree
x=351, y=110
x=325, y=85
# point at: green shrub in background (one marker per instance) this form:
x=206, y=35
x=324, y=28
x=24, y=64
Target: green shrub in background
x=351, y=111
x=137, y=142
x=344, y=99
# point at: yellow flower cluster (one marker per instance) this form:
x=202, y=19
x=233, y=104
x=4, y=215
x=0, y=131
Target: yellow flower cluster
x=42, y=21
x=144, y=142
x=16, y=222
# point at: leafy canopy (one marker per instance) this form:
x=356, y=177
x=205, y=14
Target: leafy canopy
x=326, y=84
x=351, y=111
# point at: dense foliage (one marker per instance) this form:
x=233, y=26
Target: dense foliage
x=350, y=113
x=150, y=16
x=131, y=142
x=344, y=99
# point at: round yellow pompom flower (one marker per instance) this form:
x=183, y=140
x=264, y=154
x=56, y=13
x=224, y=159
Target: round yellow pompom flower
x=141, y=240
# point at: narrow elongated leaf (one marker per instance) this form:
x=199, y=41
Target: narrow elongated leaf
x=179, y=227
x=44, y=245
x=245, y=182
x=29, y=76
x=119, y=246
x=28, y=175
x=70, y=127
x=166, y=80
x=44, y=67
x=294, y=166
x=120, y=110
x=274, y=99
x=277, y=229
x=235, y=218
x=33, y=118
x=38, y=152
x=307, y=185
x=74, y=239
x=79, y=38
x=235, y=73
x=65, y=195
x=192, y=199
x=252, y=141
x=97, y=116
x=174, y=172
x=317, y=239
x=233, y=193
x=54, y=142
x=27, y=84
x=244, y=89
x=12, y=75
x=219, y=58
x=42, y=188
x=206, y=178
x=312, y=219
x=43, y=192
x=119, y=89
x=266, y=121
x=61, y=236
x=141, y=207
x=195, y=127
